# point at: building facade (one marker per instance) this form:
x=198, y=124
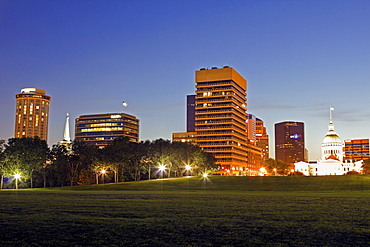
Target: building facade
x=220, y=117
x=190, y=113
x=289, y=142
x=189, y=137
x=101, y=129
x=32, y=113
x=356, y=149
x=262, y=139
x=331, y=162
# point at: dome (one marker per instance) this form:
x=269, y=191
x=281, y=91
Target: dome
x=331, y=137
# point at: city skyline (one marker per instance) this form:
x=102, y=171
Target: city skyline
x=299, y=58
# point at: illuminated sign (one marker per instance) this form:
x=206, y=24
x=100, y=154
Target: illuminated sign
x=115, y=116
x=295, y=136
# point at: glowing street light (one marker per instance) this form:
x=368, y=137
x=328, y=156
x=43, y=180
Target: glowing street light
x=162, y=168
x=103, y=173
x=188, y=168
x=205, y=175
x=275, y=171
x=16, y=176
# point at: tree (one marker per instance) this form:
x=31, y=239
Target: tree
x=82, y=160
x=116, y=156
x=2, y=162
x=59, y=167
x=366, y=166
x=275, y=167
x=27, y=154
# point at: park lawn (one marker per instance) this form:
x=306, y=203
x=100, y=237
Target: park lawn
x=221, y=211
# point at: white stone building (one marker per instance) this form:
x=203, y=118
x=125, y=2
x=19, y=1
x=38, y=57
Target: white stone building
x=331, y=162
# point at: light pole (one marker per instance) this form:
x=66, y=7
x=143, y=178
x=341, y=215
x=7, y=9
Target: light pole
x=275, y=171
x=162, y=168
x=16, y=176
x=187, y=168
x=103, y=173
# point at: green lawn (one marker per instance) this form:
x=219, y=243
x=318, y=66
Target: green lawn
x=224, y=211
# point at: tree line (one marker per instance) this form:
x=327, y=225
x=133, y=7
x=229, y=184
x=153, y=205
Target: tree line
x=83, y=163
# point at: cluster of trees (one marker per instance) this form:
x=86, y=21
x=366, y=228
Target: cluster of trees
x=82, y=163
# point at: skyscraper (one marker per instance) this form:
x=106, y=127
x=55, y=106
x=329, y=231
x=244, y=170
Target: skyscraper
x=190, y=113
x=32, y=113
x=262, y=139
x=289, y=142
x=220, y=117
x=100, y=129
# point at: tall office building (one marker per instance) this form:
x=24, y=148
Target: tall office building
x=32, y=113
x=220, y=117
x=251, y=128
x=262, y=138
x=100, y=129
x=190, y=113
x=289, y=142
x=356, y=150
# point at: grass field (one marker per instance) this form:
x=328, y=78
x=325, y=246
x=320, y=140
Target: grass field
x=223, y=211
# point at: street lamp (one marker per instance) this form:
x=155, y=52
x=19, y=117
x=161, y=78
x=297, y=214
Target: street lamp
x=187, y=168
x=162, y=168
x=103, y=173
x=275, y=171
x=16, y=176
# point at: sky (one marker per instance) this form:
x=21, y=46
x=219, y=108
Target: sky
x=299, y=58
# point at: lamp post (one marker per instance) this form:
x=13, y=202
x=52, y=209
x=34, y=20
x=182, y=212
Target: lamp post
x=162, y=168
x=103, y=173
x=187, y=168
x=275, y=171
x=16, y=176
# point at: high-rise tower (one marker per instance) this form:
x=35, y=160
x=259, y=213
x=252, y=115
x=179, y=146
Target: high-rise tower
x=32, y=113
x=220, y=117
x=289, y=142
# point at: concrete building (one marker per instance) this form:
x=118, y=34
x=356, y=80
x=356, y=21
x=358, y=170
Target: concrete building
x=189, y=137
x=32, y=113
x=356, y=149
x=262, y=139
x=220, y=118
x=289, y=142
x=100, y=129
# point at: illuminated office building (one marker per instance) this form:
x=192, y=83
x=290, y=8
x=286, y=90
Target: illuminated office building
x=189, y=137
x=100, y=129
x=356, y=150
x=289, y=142
x=32, y=113
x=262, y=138
x=220, y=118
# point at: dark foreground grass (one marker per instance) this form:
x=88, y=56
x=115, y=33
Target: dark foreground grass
x=225, y=211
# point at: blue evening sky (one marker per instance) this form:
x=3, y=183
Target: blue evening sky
x=299, y=57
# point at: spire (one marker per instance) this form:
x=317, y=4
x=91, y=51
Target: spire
x=66, y=136
x=331, y=125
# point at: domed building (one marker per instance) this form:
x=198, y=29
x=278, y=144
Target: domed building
x=331, y=162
